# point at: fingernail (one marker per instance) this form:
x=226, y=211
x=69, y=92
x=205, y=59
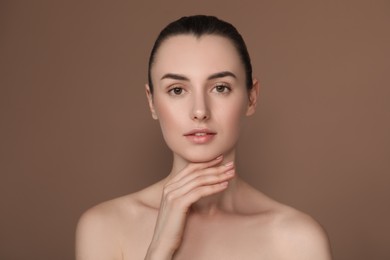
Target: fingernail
x=219, y=157
x=224, y=184
x=229, y=164
x=230, y=173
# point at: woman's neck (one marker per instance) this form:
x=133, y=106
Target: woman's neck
x=218, y=203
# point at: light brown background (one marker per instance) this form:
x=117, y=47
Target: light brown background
x=76, y=130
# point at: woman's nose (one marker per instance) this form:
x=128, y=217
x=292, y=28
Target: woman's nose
x=200, y=110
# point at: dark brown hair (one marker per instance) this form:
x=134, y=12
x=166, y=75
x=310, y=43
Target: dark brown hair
x=199, y=25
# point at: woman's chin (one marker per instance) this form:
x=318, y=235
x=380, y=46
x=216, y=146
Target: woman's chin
x=206, y=156
x=200, y=158
x=195, y=157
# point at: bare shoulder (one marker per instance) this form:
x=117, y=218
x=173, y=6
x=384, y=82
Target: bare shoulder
x=101, y=229
x=97, y=231
x=300, y=236
x=294, y=234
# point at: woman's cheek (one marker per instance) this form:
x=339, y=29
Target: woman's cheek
x=171, y=120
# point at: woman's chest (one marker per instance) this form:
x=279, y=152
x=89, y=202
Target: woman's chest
x=217, y=238
x=226, y=239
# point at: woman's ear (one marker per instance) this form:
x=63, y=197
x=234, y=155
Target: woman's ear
x=149, y=95
x=253, y=95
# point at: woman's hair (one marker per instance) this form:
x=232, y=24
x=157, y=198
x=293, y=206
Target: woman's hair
x=199, y=25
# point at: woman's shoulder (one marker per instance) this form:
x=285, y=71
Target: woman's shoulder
x=105, y=216
x=128, y=206
x=110, y=209
x=101, y=227
x=293, y=232
x=300, y=235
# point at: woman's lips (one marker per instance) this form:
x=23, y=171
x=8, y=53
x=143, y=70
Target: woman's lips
x=200, y=136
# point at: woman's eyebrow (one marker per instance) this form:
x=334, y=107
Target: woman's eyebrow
x=221, y=74
x=174, y=76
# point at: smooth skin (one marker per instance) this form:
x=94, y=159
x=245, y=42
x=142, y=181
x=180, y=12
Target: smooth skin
x=202, y=209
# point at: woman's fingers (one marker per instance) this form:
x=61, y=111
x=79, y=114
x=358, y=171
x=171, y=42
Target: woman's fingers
x=218, y=170
x=194, y=176
x=180, y=203
x=200, y=180
x=203, y=191
x=192, y=167
x=203, y=185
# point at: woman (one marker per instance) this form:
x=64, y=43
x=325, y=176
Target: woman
x=200, y=89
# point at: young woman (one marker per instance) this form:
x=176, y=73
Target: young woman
x=200, y=89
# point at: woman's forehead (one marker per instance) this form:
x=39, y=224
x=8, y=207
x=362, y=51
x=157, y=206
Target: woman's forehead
x=188, y=54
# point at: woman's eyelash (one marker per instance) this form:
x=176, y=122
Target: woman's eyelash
x=218, y=88
x=176, y=91
x=222, y=88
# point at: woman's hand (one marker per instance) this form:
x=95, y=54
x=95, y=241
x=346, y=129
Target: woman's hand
x=195, y=181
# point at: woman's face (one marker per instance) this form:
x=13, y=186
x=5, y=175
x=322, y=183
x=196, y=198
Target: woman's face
x=200, y=96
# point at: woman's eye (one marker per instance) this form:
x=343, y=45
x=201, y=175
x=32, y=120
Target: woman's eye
x=176, y=91
x=222, y=89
